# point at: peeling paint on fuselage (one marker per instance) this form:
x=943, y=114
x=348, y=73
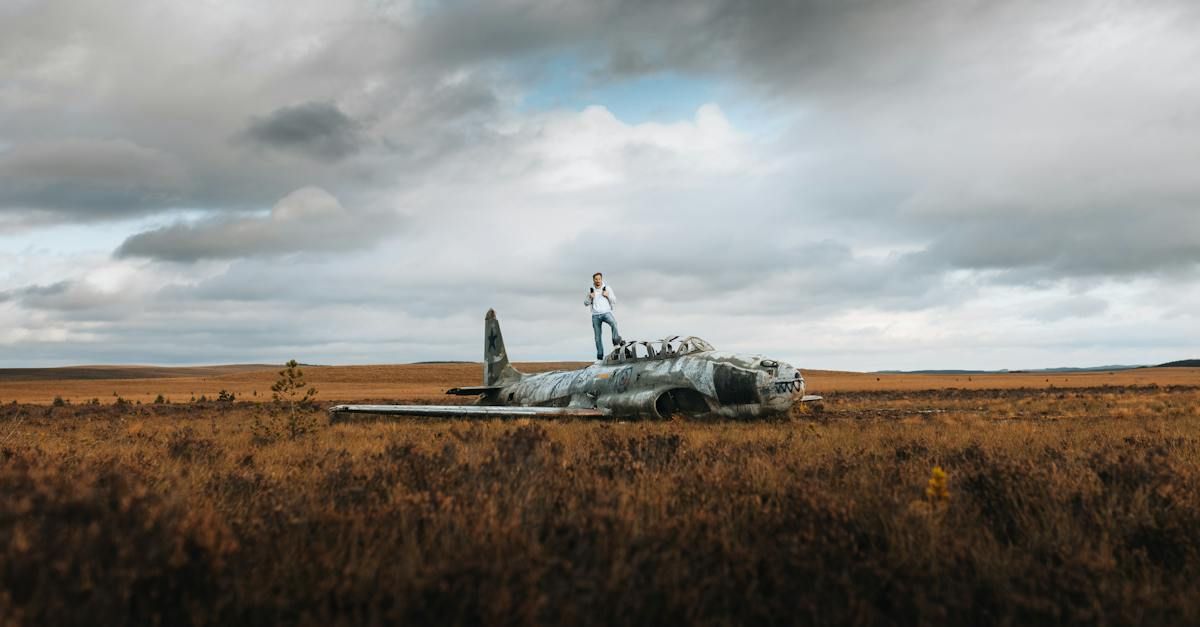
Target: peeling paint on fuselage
x=634, y=388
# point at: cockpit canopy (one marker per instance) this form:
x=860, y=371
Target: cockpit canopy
x=657, y=349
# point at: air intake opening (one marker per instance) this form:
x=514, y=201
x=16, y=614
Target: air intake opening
x=680, y=401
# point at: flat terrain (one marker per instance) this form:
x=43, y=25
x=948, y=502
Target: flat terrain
x=428, y=382
x=409, y=382
x=906, y=499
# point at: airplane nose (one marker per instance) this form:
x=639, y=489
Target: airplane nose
x=788, y=380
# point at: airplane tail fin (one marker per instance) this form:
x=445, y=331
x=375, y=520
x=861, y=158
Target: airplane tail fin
x=496, y=368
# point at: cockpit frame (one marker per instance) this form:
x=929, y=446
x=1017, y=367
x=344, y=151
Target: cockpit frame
x=665, y=348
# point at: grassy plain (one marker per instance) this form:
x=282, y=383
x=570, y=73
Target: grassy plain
x=428, y=382
x=1072, y=504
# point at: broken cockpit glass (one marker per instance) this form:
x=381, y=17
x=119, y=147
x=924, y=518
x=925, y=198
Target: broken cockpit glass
x=657, y=349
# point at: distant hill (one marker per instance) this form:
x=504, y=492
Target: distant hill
x=943, y=372
x=67, y=373
x=1182, y=363
x=1111, y=368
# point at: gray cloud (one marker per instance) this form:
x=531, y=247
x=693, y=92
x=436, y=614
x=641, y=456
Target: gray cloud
x=315, y=129
x=1121, y=242
x=309, y=219
x=69, y=300
x=87, y=179
x=34, y=292
x=1079, y=306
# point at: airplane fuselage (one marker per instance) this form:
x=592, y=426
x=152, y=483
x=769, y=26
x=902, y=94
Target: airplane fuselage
x=712, y=383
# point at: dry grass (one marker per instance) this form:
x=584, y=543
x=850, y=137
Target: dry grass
x=1077, y=506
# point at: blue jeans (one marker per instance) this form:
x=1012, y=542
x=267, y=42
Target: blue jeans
x=597, y=320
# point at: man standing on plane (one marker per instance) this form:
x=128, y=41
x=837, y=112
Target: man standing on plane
x=601, y=299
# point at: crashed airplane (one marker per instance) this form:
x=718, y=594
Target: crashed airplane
x=655, y=379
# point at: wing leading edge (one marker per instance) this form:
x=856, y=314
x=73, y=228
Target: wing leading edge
x=474, y=390
x=468, y=411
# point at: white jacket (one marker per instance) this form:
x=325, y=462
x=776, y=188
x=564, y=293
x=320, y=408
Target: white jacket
x=600, y=304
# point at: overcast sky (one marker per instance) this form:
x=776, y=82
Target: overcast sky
x=853, y=185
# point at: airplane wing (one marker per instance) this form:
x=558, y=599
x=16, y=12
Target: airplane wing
x=467, y=411
x=472, y=390
x=809, y=398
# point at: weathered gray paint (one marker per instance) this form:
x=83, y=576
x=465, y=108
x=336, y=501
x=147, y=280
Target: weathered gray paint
x=636, y=380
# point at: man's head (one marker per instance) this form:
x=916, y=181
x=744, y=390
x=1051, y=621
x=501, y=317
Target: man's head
x=597, y=279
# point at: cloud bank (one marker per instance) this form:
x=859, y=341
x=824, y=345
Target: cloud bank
x=864, y=184
x=307, y=220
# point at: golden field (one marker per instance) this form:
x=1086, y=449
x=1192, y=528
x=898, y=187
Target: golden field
x=428, y=382
x=906, y=499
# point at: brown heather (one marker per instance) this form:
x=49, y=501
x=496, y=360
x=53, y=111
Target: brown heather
x=1052, y=506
